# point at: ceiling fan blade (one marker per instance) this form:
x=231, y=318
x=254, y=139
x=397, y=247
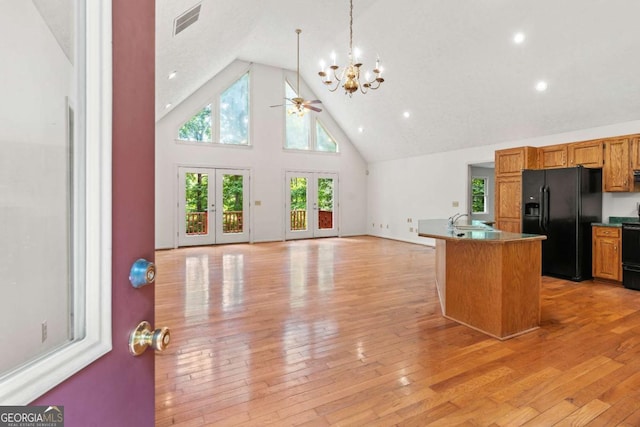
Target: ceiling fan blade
x=311, y=107
x=313, y=101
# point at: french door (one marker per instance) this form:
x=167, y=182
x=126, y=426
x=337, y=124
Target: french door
x=311, y=205
x=213, y=206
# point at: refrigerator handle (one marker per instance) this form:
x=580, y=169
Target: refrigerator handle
x=545, y=210
x=541, y=213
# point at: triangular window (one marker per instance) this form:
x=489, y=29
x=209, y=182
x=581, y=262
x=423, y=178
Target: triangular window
x=198, y=128
x=232, y=126
x=324, y=141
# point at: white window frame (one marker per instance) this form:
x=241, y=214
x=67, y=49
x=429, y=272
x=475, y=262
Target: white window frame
x=313, y=119
x=310, y=113
x=319, y=122
x=486, y=188
x=215, y=118
x=93, y=297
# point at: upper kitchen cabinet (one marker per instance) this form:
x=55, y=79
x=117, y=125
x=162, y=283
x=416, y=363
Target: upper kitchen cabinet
x=617, y=175
x=588, y=154
x=552, y=156
x=635, y=152
x=511, y=161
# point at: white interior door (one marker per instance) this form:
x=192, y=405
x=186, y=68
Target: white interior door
x=311, y=205
x=213, y=206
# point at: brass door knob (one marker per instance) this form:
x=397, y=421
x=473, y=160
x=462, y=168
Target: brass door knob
x=143, y=336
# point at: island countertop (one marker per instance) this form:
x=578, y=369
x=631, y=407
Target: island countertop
x=476, y=230
x=487, y=279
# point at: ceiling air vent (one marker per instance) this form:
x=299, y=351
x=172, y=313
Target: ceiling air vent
x=186, y=19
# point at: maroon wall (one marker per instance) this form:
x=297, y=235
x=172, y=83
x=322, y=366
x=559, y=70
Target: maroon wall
x=118, y=389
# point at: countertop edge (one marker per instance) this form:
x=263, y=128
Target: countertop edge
x=494, y=241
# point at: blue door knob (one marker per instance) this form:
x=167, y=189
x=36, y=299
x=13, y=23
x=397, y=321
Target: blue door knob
x=142, y=273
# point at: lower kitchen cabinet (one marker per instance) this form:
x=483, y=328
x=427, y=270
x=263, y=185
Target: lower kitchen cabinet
x=607, y=253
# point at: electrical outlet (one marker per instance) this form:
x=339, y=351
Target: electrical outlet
x=455, y=204
x=44, y=331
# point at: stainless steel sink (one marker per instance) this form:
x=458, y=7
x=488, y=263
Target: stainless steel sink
x=473, y=228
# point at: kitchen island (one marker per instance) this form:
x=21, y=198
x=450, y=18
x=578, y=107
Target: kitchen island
x=487, y=279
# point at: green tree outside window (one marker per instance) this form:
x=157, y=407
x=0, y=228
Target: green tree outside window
x=478, y=195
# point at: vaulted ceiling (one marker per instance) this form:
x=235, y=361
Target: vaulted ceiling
x=452, y=64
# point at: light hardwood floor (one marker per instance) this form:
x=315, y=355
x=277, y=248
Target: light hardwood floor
x=349, y=332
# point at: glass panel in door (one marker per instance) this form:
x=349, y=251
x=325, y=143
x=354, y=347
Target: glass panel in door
x=298, y=225
x=326, y=187
x=311, y=203
x=325, y=203
x=232, y=215
x=196, y=206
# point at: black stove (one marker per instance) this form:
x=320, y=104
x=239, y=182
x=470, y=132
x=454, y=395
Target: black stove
x=631, y=255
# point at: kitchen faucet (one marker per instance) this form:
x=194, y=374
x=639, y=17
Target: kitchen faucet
x=454, y=218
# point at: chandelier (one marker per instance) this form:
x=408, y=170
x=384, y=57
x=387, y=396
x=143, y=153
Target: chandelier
x=349, y=78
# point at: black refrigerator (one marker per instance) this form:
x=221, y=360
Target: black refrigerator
x=562, y=204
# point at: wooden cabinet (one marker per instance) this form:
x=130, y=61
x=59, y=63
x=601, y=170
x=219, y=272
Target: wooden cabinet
x=513, y=160
x=635, y=152
x=606, y=253
x=508, y=185
x=617, y=174
x=588, y=154
x=552, y=156
x=508, y=199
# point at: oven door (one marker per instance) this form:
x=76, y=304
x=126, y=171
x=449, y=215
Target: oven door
x=631, y=276
x=631, y=244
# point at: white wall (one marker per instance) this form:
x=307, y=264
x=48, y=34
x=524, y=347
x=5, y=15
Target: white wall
x=36, y=79
x=425, y=187
x=266, y=158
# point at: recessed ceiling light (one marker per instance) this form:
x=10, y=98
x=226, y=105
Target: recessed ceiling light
x=406, y=114
x=172, y=75
x=360, y=129
x=518, y=38
x=541, y=86
x=168, y=106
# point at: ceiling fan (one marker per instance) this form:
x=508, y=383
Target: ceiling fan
x=298, y=103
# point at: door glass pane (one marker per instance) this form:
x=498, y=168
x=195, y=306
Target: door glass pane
x=325, y=203
x=232, y=214
x=298, y=191
x=196, y=203
x=39, y=169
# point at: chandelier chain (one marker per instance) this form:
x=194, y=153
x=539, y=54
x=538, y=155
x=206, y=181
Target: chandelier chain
x=351, y=29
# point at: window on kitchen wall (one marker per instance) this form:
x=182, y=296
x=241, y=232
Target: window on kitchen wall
x=232, y=113
x=299, y=134
x=478, y=195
